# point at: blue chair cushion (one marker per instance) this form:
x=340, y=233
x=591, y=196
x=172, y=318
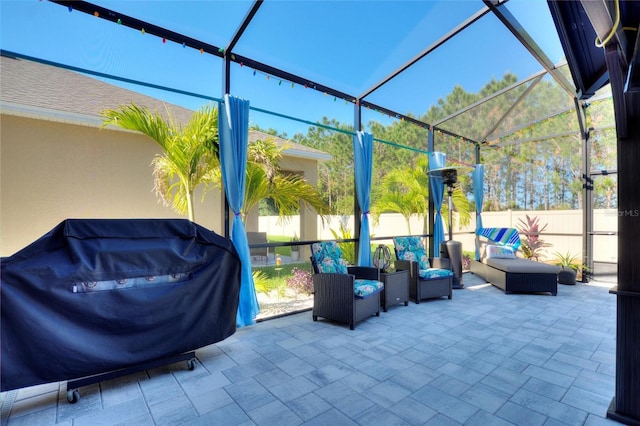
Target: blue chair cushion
x=365, y=288
x=431, y=273
x=411, y=248
x=328, y=258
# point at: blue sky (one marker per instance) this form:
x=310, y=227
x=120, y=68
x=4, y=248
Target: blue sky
x=350, y=45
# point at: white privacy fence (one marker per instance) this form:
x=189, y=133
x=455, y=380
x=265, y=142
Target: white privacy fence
x=567, y=223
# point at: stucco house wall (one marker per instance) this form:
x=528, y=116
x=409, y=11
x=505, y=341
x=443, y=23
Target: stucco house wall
x=58, y=162
x=51, y=171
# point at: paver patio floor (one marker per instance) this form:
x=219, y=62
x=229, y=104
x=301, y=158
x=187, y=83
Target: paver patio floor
x=482, y=358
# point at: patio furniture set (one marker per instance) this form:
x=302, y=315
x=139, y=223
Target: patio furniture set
x=350, y=294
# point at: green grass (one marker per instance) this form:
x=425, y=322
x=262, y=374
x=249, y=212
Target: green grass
x=284, y=271
x=282, y=251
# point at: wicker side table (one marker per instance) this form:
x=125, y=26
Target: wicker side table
x=396, y=288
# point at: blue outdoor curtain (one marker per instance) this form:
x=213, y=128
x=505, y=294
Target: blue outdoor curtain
x=478, y=195
x=363, y=162
x=233, y=128
x=437, y=160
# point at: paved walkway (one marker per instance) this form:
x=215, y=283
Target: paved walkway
x=482, y=358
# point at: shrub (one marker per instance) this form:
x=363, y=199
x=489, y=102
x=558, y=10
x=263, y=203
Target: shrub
x=532, y=244
x=300, y=281
x=261, y=282
x=466, y=261
x=348, y=249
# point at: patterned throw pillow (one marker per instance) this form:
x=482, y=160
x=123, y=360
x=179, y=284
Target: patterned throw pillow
x=500, y=252
x=411, y=248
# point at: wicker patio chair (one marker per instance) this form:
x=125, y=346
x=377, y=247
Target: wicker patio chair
x=261, y=253
x=342, y=293
x=429, y=278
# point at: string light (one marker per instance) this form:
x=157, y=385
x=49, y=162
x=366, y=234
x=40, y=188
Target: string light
x=222, y=51
x=306, y=86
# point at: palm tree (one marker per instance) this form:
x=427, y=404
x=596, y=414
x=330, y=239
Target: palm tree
x=406, y=191
x=265, y=179
x=401, y=193
x=190, y=158
x=189, y=152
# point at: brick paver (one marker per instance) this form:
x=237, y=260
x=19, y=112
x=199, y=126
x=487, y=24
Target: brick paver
x=482, y=358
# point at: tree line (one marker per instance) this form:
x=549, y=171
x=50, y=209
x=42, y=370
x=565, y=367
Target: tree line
x=538, y=166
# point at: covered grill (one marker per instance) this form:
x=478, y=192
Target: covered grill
x=96, y=296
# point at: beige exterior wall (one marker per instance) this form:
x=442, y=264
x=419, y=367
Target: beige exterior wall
x=51, y=171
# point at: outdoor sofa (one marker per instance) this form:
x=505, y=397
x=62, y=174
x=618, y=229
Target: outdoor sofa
x=500, y=267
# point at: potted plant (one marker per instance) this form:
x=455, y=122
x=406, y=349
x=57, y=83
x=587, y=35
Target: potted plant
x=570, y=266
x=295, y=250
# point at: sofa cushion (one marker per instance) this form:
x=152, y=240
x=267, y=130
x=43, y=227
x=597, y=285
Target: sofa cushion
x=522, y=266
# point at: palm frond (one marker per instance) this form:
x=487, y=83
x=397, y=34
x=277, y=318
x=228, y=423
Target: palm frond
x=290, y=191
x=189, y=153
x=202, y=130
x=133, y=117
x=266, y=154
